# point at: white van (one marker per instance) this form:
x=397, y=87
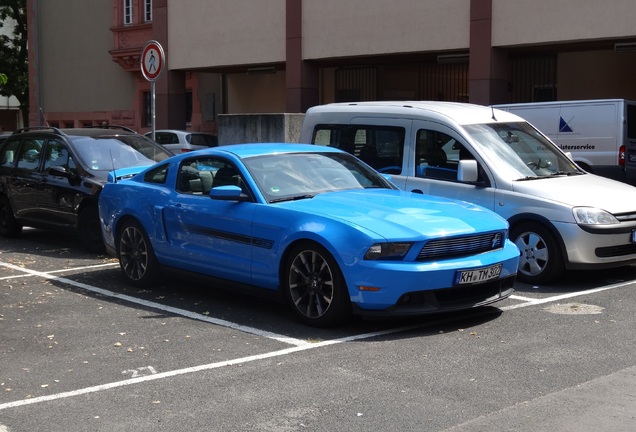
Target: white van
x=600, y=134
x=560, y=216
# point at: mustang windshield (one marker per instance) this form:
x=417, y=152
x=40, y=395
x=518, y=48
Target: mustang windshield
x=521, y=151
x=290, y=176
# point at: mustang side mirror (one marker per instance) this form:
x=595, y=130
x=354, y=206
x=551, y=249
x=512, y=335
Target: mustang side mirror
x=228, y=193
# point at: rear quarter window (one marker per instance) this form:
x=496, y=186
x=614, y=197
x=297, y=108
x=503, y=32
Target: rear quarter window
x=8, y=153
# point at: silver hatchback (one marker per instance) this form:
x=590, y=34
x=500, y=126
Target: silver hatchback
x=180, y=141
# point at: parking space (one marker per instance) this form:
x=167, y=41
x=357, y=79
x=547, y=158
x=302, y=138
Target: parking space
x=82, y=350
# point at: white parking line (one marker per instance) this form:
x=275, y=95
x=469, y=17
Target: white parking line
x=300, y=345
x=164, y=308
x=73, y=269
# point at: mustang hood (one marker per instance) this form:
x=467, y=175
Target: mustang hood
x=398, y=215
x=583, y=190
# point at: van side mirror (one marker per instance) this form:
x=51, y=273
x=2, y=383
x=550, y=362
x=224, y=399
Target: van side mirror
x=467, y=171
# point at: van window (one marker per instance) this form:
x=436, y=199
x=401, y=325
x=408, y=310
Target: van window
x=437, y=155
x=381, y=147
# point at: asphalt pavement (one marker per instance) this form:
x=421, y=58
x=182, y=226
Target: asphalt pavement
x=80, y=350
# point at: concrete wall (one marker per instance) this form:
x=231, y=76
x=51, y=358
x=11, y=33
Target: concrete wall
x=225, y=32
x=518, y=22
x=335, y=28
x=259, y=128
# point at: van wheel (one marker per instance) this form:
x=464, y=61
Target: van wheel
x=541, y=260
x=9, y=227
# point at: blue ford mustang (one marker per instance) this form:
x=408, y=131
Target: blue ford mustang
x=333, y=235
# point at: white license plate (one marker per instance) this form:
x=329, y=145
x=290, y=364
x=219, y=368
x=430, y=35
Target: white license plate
x=478, y=275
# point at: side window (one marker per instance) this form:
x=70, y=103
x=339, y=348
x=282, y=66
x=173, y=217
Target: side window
x=30, y=154
x=381, y=147
x=437, y=155
x=157, y=175
x=166, y=138
x=56, y=155
x=8, y=156
x=199, y=175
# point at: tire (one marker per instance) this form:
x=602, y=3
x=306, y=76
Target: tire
x=541, y=259
x=314, y=286
x=90, y=231
x=136, y=257
x=9, y=227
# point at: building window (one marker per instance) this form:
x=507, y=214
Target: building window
x=128, y=12
x=148, y=10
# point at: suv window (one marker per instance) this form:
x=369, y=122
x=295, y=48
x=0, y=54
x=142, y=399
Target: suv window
x=381, y=147
x=58, y=155
x=30, y=154
x=7, y=158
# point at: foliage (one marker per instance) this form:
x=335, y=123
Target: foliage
x=13, y=52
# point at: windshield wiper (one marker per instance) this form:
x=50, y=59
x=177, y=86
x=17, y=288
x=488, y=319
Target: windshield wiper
x=529, y=178
x=293, y=198
x=566, y=173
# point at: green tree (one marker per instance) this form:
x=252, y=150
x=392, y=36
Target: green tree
x=13, y=53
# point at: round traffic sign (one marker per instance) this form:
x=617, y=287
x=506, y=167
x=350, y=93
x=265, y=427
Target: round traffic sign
x=152, y=60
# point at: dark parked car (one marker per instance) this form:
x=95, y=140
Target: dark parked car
x=51, y=178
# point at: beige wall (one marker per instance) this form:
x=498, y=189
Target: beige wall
x=259, y=93
x=518, y=22
x=335, y=28
x=225, y=32
x=76, y=70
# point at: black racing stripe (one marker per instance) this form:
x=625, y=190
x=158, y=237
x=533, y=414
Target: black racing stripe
x=238, y=238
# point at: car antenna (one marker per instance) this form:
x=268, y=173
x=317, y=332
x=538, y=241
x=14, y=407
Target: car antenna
x=492, y=109
x=112, y=162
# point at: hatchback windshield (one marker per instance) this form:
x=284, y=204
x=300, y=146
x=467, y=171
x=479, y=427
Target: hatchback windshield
x=290, y=176
x=123, y=151
x=521, y=152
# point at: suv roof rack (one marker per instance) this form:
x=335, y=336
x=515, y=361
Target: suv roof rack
x=38, y=128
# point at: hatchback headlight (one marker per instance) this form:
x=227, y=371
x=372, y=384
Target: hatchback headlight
x=593, y=216
x=387, y=251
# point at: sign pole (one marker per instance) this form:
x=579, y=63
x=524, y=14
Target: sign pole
x=152, y=60
x=152, y=108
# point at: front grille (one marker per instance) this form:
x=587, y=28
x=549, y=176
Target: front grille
x=626, y=217
x=454, y=247
x=614, y=251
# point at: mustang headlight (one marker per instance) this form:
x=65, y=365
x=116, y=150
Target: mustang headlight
x=387, y=251
x=593, y=216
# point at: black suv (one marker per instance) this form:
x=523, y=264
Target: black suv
x=51, y=178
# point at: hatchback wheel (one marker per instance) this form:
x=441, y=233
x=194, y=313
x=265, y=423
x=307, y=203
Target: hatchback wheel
x=315, y=287
x=136, y=256
x=9, y=227
x=541, y=260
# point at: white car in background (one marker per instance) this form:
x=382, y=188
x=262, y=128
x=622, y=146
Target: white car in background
x=180, y=141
